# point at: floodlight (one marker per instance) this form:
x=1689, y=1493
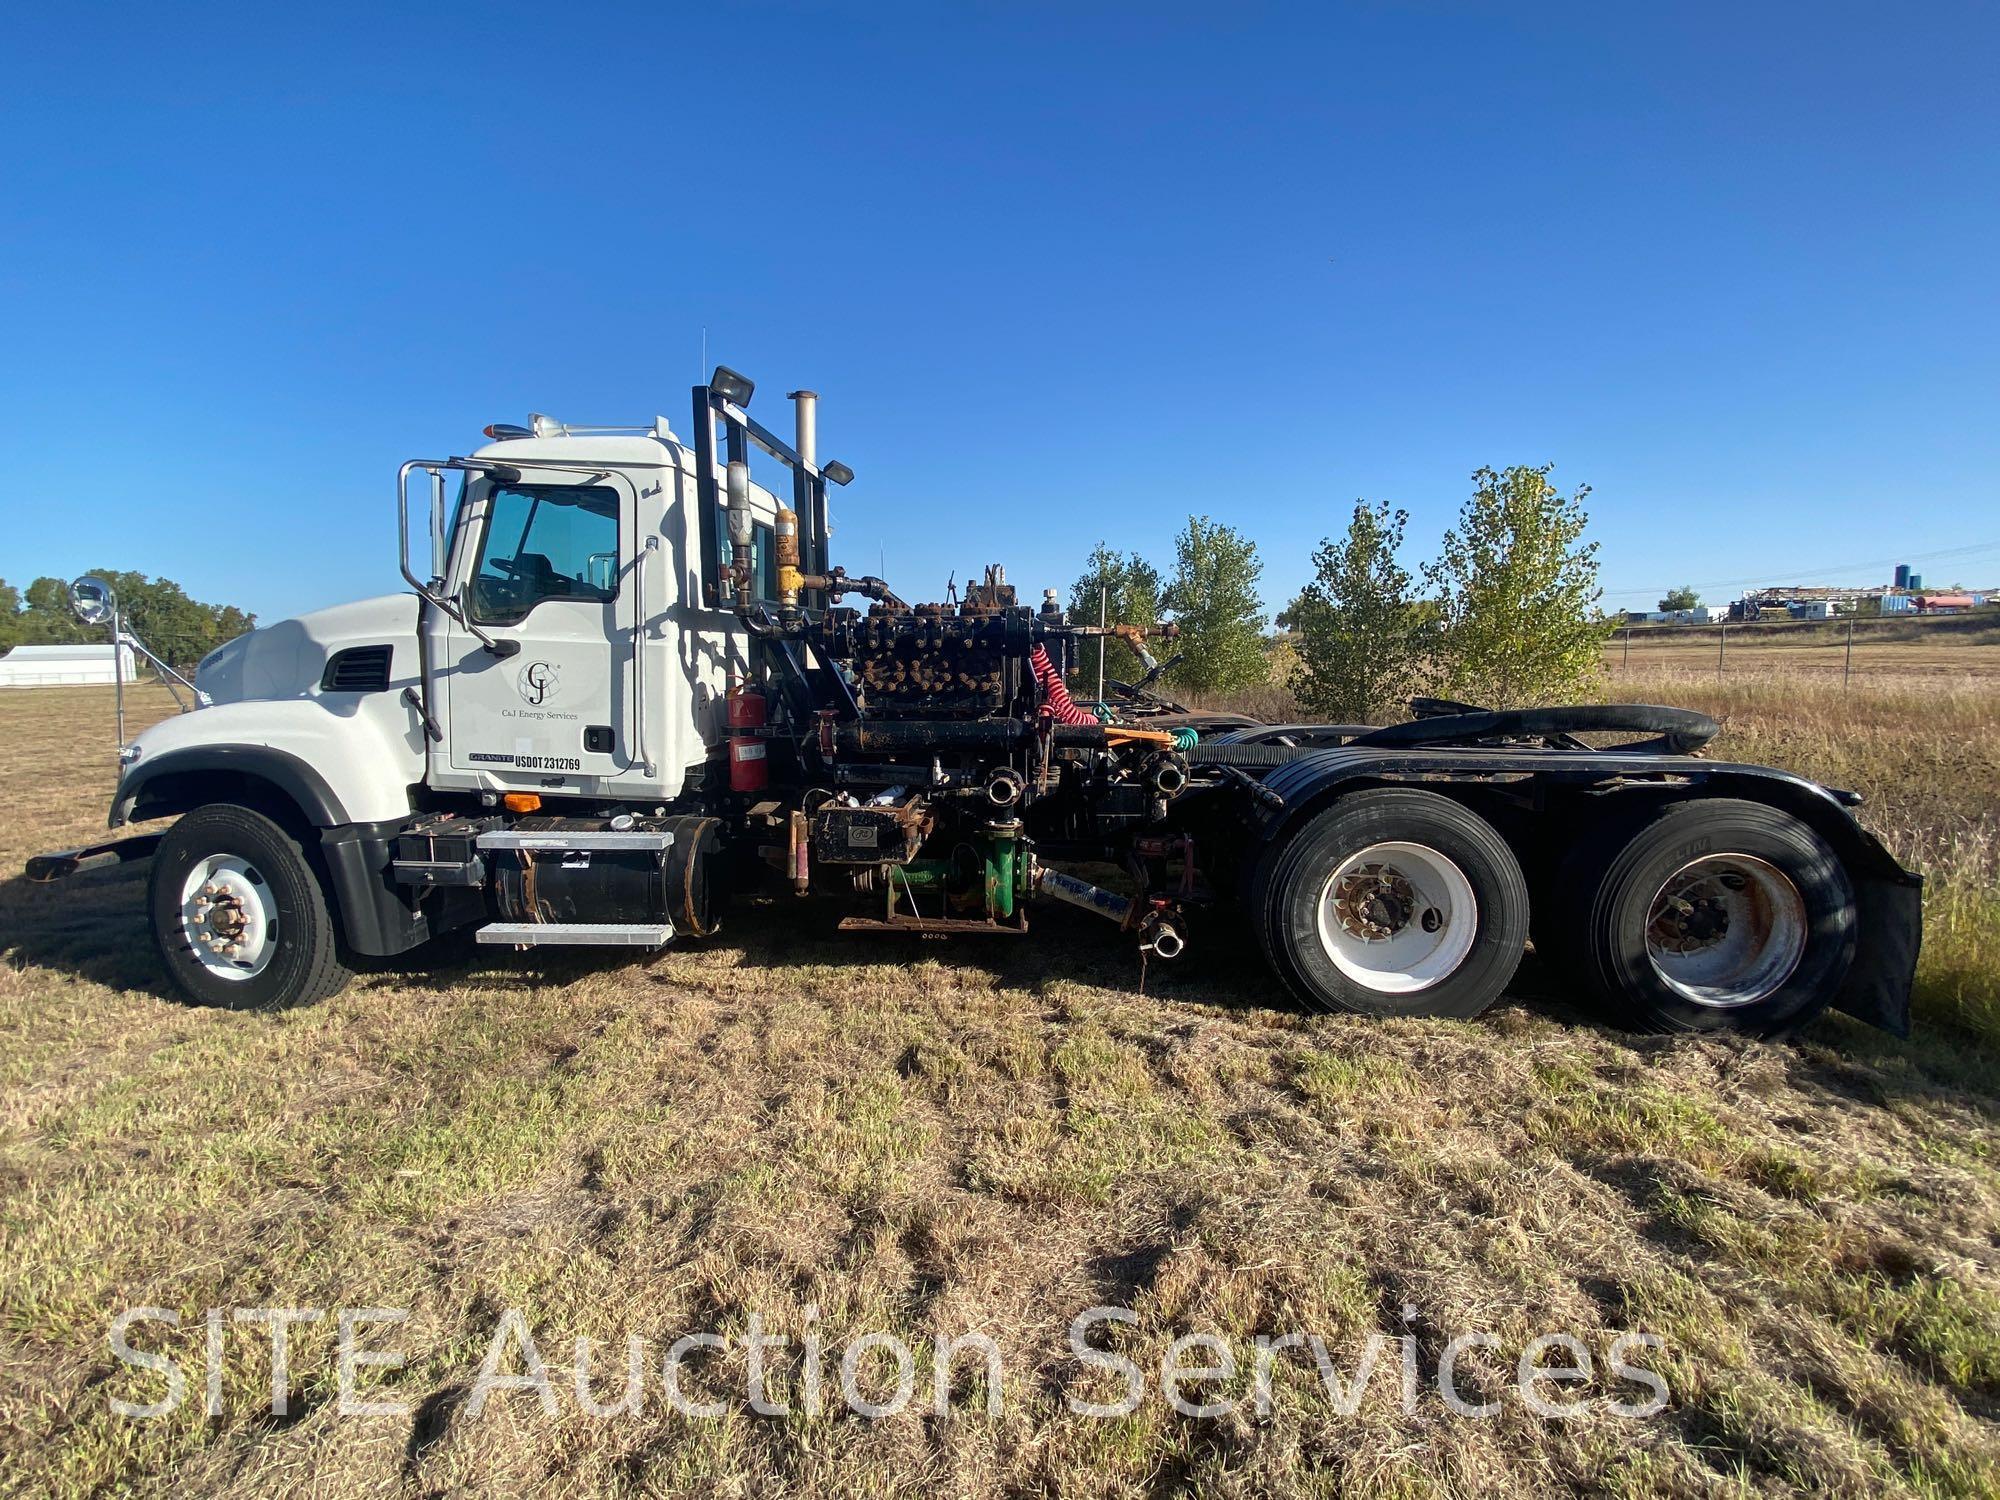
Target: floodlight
x=730, y=386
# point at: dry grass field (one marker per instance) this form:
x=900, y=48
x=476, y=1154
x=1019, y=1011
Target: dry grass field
x=1888, y=650
x=839, y=1137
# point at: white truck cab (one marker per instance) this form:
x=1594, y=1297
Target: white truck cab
x=582, y=555
x=566, y=651
x=562, y=646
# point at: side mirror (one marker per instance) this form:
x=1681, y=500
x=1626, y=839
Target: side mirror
x=493, y=646
x=91, y=600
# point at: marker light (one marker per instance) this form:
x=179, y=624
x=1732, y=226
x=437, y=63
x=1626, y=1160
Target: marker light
x=502, y=432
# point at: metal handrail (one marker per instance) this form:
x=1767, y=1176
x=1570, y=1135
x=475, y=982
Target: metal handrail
x=639, y=656
x=426, y=598
x=424, y=590
x=403, y=523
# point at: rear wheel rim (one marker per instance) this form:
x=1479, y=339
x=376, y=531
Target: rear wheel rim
x=1726, y=930
x=1397, y=917
x=228, y=917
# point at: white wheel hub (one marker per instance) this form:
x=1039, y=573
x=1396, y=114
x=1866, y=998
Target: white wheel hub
x=229, y=917
x=1726, y=930
x=1397, y=917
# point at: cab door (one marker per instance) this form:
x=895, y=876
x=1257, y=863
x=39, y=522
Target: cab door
x=549, y=568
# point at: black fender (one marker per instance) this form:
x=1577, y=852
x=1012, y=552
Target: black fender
x=377, y=917
x=1890, y=916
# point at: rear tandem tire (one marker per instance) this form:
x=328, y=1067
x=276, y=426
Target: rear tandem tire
x=266, y=893
x=1778, y=906
x=1406, y=859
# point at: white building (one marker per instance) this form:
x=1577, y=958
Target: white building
x=52, y=666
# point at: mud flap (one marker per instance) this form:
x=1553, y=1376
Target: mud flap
x=1890, y=920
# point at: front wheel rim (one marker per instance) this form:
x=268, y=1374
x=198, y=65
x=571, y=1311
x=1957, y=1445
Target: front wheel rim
x=1397, y=917
x=1726, y=930
x=229, y=918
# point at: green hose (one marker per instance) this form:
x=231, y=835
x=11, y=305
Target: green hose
x=1186, y=739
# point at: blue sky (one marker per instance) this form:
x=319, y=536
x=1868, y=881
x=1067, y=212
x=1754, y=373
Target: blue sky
x=1059, y=272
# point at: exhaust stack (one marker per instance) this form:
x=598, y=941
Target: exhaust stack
x=740, y=532
x=807, y=412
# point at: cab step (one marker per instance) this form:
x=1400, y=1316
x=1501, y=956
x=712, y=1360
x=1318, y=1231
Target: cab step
x=578, y=934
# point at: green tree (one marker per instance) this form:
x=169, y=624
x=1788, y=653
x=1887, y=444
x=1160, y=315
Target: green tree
x=10, y=615
x=157, y=610
x=45, y=619
x=1516, y=593
x=1214, y=600
x=1131, y=592
x=1361, y=639
x=1683, y=597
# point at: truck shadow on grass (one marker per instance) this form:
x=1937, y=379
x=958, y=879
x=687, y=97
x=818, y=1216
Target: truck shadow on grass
x=801, y=939
x=93, y=928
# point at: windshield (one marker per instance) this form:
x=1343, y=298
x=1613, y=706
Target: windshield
x=545, y=541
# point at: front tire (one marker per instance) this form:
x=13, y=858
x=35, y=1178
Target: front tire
x=1712, y=914
x=238, y=915
x=1393, y=903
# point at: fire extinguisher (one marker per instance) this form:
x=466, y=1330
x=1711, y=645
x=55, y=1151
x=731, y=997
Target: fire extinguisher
x=749, y=770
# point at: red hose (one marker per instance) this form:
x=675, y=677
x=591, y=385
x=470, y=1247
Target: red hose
x=1060, y=706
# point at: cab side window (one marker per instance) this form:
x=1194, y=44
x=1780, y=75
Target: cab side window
x=545, y=542
x=763, y=555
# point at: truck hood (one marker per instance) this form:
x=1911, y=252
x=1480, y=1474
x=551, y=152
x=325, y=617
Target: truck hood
x=287, y=660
